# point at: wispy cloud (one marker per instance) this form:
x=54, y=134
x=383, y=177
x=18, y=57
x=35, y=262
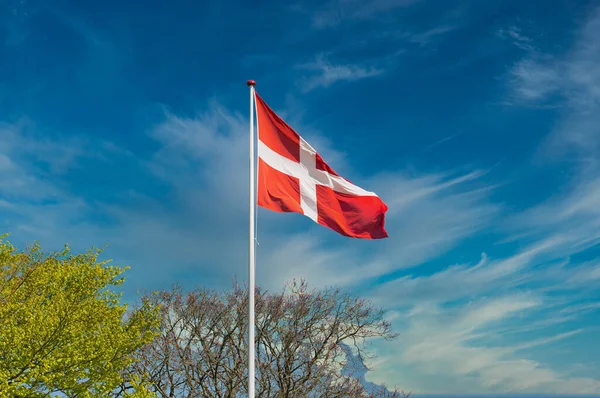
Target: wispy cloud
x=29, y=161
x=169, y=207
x=457, y=344
x=324, y=73
x=200, y=161
x=426, y=37
x=517, y=37
x=442, y=141
x=429, y=215
x=535, y=81
x=460, y=281
x=334, y=12
x=570, y=81
x=37, y=202
x=453, y=320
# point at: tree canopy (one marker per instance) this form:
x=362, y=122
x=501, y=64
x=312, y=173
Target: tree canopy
x=302, y=340
x=65, y=330
x=63, y=327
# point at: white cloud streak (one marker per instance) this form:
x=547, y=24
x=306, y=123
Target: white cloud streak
x=475, y=328
x=428, y=36
x=335, y=12
x=324, y=73
x=454, y=345
x=571, y=81
x=451, y=320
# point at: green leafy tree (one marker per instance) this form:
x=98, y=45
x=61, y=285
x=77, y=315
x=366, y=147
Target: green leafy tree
x=63, y=328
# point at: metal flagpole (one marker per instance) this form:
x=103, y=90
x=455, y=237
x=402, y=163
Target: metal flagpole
x=251, y=243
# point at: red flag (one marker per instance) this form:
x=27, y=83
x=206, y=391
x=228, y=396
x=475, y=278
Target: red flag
x=292, y=177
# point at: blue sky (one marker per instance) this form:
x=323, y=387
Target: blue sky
x=477, y=123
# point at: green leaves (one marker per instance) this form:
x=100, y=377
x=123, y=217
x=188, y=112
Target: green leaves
x=62, y=326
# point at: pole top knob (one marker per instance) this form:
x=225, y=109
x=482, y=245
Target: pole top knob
x=251, y=83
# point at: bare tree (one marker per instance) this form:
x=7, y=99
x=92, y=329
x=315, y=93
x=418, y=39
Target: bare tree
x=302, y=338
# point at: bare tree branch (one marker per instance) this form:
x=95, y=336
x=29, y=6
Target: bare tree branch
x=300, y=335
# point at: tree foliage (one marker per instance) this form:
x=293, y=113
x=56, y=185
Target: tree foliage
x=64, y=329
x=302, y=336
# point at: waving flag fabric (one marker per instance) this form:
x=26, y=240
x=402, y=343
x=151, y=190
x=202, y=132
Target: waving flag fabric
x=292, y=177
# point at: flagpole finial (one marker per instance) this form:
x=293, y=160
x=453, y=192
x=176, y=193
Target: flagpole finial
x=251, y=83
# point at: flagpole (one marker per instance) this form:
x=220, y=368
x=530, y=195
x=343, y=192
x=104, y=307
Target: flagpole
x=251, y=243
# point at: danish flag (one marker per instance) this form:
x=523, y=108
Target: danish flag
x=292, y=177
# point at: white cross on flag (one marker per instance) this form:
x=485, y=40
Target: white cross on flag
x=292, y=177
